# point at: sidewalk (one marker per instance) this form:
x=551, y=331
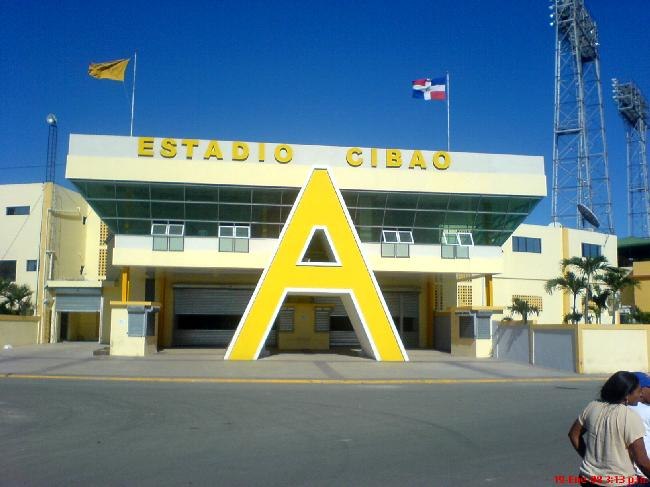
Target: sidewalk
x=76, y=359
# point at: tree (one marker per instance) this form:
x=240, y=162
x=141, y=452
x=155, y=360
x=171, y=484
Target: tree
x=521, y=307
x=589, y=267
x=15, y=299
x=617, y=279
x=570, y=282
x=599, y=301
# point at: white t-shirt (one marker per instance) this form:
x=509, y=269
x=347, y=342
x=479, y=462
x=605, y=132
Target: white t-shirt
x=643, y=410
x=610, y=430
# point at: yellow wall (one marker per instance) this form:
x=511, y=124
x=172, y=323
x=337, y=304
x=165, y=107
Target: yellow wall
x=641, y=271
x=606, y=349
x=304, y=335
x=18, y=330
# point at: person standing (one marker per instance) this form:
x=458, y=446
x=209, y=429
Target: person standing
x=609, y=436
x=642, y=408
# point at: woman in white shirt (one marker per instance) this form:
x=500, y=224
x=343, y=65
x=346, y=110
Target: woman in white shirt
x=609, y=436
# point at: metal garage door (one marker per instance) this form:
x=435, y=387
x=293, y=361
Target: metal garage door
x=403, y=307
x=80, y=300
x=207, y=316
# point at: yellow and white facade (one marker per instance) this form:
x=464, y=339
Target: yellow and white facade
x=252, y=246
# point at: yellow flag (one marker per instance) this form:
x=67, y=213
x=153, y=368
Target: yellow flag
x=109, y=70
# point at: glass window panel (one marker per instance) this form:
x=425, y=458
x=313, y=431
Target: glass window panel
x=235, y=213
x=202, y=193
x=493, y=204
x=242, y=232
x=465, y=239
x=176, y=244
x=111, y=223
x=388, y=250
x=371, y=200
x=369, y=217
x=369, y=234
x=202, y=211
x=402, y=200
x=429, y=219
x=134, y=227
x=401, y=250
x=100, y=190
x=289, y=196
x=390, y=236
x=396, y=218
x=159, y=229
x=350, y=198
x=447, y=251
x=160, y=243
x=226, y=231
x=226, y=244
x=405, y=237
x=521, y=205
x=241, y=245
x=463, y=203
x=460, y=220
x=285, y=213
x=201, y=229
x=104, y=208
x=462, y=252
x=166, y=192
x=167, y=211
x=426, y=236
x=267, y=214
x=265, y=231
x=434, y=201
x=133, y=209
x=129, y=191
x=234, y=195
x=268, y=196
x=175, y=230
x=451, y=239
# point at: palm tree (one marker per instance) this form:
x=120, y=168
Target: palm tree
x=599, y=301
x=17, y=300
x=617, y=279
x=570, y=282
x=522, y=308
x=589, y=267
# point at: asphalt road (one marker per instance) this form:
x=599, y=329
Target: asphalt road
x=59, y=432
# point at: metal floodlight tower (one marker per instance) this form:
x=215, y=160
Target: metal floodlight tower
x=633, y=108
x=50, y=168
x=580, y=172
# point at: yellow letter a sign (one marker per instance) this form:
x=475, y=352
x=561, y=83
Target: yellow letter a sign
x=319, y=207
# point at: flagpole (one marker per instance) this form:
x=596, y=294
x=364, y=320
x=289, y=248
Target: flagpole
x=448, y=132
x=135, y=63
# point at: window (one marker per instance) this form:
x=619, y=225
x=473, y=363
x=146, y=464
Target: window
x=31, y=266
x=527, y=244
x=590, y=250
x=455, y=245
x=8, y=270
x=168, y=236
x=17, y=210
x=396, y=243
x=234, y=238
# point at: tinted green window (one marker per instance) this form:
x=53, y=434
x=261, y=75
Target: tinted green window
x=431, y=219
x=132, y=191
x=167, y=211
x=369, y=234
x=521, y=205
x=369, y=217
x=371, y=200
x=350, y=198
x=235, y=195
x=493, y=204
x=463, y=203
x=396, y=218
x=270, y=196
x=402, y=200
x=201, y=193
x=434, y=201
x=265, y=231
x=234, y=213
x=133, y=209
x=202, y=211
x=460, y=219
x=134, y=227
x=426, y=236
x=201, y=229
x=105, y=208
x=267, y=214
x=289, y=196
x=167, y=192
x=100, y=190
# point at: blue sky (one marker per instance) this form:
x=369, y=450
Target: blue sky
x=325, y=73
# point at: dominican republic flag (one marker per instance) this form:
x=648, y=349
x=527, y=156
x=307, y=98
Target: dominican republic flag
x=430, y=89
